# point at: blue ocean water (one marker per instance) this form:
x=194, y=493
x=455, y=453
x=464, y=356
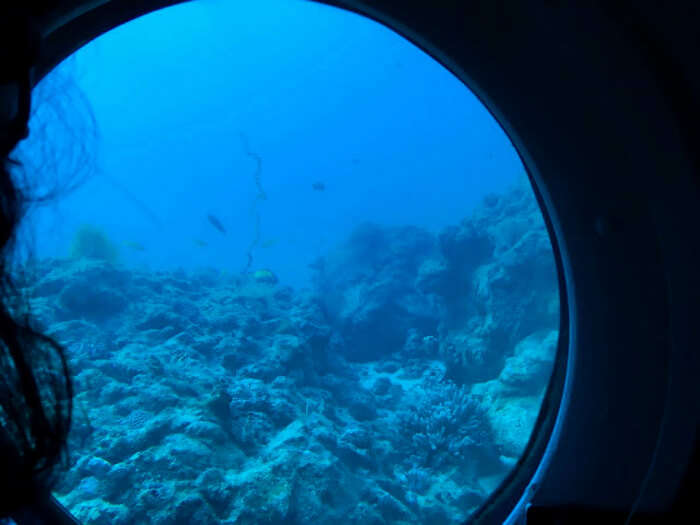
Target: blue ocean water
x=303, y=278
x=320, y=95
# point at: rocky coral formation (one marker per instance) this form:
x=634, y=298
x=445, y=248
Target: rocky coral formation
x=400, y=391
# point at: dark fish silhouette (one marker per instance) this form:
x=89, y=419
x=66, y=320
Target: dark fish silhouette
x=135, y=246
x=318, y=186
x=319, y=264
x=216, y=223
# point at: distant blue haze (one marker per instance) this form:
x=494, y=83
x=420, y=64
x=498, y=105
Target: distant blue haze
x=321, y=95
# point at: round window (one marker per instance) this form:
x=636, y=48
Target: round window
x=297, y=267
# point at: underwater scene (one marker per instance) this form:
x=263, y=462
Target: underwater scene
x=298, y=269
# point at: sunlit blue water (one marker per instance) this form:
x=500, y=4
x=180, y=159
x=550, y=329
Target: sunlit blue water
x=321, y=95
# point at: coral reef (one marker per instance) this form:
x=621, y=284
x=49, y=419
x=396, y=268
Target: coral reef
x=400, y=390
x=93, y=243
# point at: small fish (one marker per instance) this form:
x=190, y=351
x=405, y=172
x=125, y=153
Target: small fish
x=318, y=186
x=319, y=264
x=201, y=243
x=216, y=223
x=265, y=276
x=269, y=243
x=135, y=246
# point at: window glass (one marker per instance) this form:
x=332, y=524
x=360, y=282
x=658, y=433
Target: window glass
x=298, y=269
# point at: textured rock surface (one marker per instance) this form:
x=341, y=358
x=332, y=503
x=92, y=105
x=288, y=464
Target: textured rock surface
x=396, y=392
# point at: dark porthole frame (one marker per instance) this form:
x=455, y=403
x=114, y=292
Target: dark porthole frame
x=578, y=90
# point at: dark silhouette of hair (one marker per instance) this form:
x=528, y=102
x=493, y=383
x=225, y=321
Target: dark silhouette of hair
x=36, y=391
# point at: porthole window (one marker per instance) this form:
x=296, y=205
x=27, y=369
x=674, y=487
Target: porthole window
x=298, y=269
